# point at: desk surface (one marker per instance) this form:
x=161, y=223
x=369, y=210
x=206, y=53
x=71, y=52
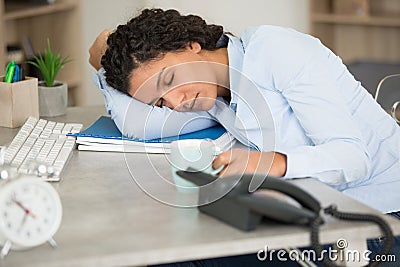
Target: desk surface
x=108, y=220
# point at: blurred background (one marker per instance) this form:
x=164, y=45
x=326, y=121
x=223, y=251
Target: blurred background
x=364, y=33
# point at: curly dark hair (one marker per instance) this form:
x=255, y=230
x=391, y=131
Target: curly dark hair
x=149, y=36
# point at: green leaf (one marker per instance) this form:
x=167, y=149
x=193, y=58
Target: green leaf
x=49, y=64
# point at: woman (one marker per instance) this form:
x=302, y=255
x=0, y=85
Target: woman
x=326, y=125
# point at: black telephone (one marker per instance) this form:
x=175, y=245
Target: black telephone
x=244, y=210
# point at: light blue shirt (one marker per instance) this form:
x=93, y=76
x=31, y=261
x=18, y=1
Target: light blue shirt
x=325, y=122
x=290, y=94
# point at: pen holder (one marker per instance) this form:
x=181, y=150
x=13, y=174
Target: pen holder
x=18, y=101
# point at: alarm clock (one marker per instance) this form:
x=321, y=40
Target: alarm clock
x=30, y=213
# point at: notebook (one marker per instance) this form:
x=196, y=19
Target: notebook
x=103, y=135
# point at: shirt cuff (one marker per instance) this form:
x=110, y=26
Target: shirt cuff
x=296, y=163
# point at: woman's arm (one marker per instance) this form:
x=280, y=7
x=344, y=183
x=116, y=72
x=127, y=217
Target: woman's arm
x=246, y=161
x=307, y=75
x=300, y=69
x=98, y=48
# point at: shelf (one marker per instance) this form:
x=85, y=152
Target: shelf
x=61, y=22
x=371, y=36
x=356, y=20
x=24, y=10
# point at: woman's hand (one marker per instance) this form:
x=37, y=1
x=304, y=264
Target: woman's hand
x=98, y=48
x=244, y=161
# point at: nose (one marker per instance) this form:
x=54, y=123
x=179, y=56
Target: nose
x=176, y=100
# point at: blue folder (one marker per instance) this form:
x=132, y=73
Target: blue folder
x=105, y=128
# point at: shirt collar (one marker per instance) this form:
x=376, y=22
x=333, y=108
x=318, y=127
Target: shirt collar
x=235, y=55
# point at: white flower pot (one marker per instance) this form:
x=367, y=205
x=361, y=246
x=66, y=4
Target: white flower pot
x=53, y=100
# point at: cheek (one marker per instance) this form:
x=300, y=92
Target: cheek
x=189, y=90
x=210, y=91
x=204, y=90
x=145, y=93
x=207, y=96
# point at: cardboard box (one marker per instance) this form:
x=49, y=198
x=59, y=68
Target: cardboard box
x=351, y=7
x=18, y=101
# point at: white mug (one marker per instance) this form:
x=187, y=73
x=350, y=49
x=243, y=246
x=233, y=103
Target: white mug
x=192, y=153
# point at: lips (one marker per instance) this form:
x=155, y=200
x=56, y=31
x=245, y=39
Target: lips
x=193, y=102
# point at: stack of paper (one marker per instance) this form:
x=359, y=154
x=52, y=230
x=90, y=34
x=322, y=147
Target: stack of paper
x=103, y=135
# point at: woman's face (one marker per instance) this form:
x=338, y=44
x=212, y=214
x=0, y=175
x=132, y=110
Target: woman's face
x=183, y=81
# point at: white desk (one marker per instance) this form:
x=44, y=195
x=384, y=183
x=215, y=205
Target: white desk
x=109, y=221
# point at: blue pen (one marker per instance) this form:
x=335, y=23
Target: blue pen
x=16, y=76
x=9, y=72
x=21, y=72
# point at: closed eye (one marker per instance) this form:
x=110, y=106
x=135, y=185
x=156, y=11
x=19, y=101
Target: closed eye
x=169, y=79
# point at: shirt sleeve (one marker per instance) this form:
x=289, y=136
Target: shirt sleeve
x=298, y=68
x=138, y=120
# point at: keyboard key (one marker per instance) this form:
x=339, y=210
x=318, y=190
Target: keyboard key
x=42, y=141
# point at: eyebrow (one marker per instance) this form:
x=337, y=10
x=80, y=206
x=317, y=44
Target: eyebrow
x=158, y=85
x=159, y=78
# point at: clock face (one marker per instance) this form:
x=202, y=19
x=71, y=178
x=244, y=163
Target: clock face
x=30, y=211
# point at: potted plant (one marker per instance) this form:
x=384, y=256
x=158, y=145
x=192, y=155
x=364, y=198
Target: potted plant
x=53, y=94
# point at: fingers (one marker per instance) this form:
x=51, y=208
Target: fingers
x=103, y=36
x=226, y=159
x=98, y=48
x=223, y=159
x=106, y=33
x=240, y=161
x=101, y=39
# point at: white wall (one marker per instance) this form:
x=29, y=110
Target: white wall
x=232, y=14
x=236, y=15
x=99, y=15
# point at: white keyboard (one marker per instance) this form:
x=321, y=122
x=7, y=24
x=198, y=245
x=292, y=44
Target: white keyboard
x=41, y=143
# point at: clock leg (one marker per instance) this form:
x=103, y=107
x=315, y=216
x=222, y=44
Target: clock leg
x=52, y=243
x=2, y=155
x=5, y=249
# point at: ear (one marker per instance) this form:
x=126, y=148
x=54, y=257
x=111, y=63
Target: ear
x=195, y=47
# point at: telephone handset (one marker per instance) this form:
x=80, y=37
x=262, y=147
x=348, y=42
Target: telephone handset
x=242, y=209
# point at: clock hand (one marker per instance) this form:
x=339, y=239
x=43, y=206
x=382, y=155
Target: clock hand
x=27, y=211
x=23, y=221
